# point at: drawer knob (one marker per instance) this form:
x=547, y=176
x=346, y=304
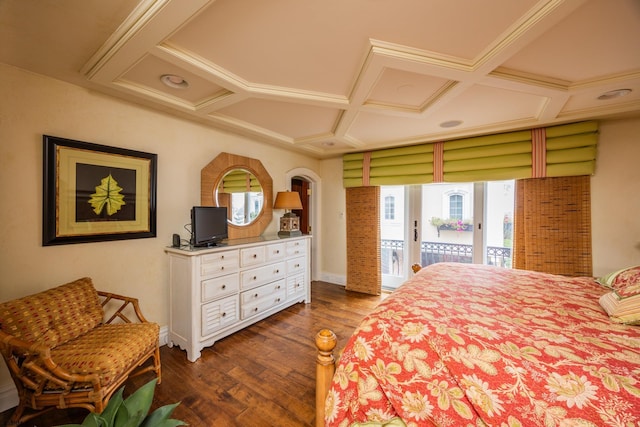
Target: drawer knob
x=221, y=256
x=256, y=295
x=278, y=300
x=224, y=314
x=278, y=251
x=297, y=265
x=224, y=286
x=278, y=287
x=222, y=268
x=254, y=277
x=255, y=309
x=255, y=255
x=277, y=271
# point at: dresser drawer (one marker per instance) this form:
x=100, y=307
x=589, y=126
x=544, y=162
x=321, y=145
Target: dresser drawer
x=295, y=286
x=271, y=296
x=261, y=275
x=220, y=286
x=252, y=256
x=218, y=314
x=219, y=263
x=296, y=265
x=276, y=251
x=296, y=248
x=248, y=297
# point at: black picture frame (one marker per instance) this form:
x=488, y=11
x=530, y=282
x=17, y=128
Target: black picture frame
x=95, y=193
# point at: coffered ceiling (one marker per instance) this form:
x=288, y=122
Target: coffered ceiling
x=332, y=76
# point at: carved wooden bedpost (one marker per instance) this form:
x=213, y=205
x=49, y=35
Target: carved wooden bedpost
x=325, y=367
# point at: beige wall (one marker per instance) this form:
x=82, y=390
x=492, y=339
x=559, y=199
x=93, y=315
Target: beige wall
x=33, y=105
x=615, y=197
x=615, y=204
x=334, y=228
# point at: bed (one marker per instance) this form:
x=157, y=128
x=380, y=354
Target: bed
x=473, y=345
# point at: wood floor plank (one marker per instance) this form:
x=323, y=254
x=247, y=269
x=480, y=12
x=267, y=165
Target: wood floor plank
x=263, y=375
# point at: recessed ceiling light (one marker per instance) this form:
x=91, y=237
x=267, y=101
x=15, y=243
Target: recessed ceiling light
x=450, y=123
x=174, y=81
x=614, y=94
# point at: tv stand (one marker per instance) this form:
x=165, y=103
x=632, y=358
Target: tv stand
x=216, y=291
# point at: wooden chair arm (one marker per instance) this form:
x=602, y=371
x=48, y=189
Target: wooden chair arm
x=125, y=301
x=22, y=356
x=325, y=368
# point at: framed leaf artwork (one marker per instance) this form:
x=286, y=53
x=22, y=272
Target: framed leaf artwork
x=94, y=193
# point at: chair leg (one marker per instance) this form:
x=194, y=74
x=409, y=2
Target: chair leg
x=157, y=365
x=15, y=419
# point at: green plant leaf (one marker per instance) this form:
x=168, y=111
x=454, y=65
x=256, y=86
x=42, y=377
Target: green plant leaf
x=107, y=195
x=160, y=417
x=132, y=411
x=109, y=413
x=139, y=403
x=92, y=420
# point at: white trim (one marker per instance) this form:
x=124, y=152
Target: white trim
x=8, y=396
x=314, y=213
x=336, y=279
x=163, y=339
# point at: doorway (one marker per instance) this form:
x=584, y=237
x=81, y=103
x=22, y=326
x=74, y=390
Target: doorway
x=448, y=222
x=303, y=188
x=310, y=185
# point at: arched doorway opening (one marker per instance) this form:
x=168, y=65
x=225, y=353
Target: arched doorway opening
x=308, y=184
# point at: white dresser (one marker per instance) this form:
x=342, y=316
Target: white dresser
x=217, y=291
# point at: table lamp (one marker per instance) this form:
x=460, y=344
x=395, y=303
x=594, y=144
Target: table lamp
x=289, y=223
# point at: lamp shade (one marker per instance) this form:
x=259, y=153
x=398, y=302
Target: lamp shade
x=287, y=200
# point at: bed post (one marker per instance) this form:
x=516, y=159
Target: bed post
x=325, y=366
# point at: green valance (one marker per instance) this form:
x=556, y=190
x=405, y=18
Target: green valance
x=565, y=150
x=239, y=181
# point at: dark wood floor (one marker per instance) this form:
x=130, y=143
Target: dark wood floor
x=263, y=375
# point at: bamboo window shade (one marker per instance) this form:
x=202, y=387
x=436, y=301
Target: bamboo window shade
x=552, y=220
x=565, y=150
x=552, y=225
x=363, y=240
x=240, y=181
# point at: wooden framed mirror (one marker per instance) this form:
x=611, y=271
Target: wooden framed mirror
x=244, y=186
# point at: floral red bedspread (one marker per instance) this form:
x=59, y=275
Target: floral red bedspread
x=472, y=345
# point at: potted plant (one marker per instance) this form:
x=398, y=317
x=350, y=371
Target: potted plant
x=132, y=411
x=451, y=224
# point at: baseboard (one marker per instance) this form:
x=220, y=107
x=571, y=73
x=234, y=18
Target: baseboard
x=164, y=335
x=9, y=394
x=334, y=278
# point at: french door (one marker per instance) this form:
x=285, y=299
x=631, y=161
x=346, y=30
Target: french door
x=461, y=222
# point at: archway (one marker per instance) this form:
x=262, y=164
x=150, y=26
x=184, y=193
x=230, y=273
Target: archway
x=313, y=211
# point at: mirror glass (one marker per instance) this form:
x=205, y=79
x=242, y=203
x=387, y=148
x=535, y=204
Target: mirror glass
x=241, y=192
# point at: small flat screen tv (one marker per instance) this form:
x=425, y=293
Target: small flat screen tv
x=208, y=225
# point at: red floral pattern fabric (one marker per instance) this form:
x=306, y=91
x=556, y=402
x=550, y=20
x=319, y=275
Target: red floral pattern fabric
x=472, y=345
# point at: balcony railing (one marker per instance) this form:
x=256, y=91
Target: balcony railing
x=392, y=255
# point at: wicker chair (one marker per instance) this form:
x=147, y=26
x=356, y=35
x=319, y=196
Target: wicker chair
x=62, y=353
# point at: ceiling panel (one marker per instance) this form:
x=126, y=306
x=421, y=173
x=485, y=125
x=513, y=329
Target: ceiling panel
x=290, y=119
x=148, y=72
x=330, y=77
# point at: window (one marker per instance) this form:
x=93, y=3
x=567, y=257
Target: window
x=389, y=208
x=455, y=206
x=452, y=222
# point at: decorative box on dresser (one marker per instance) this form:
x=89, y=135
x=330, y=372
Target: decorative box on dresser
x=217, y=291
